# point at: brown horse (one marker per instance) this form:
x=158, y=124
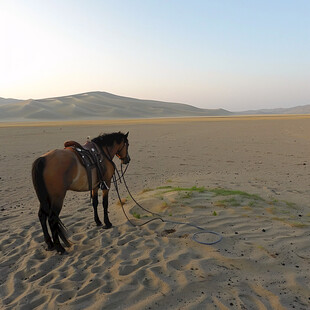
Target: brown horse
x=60, y=170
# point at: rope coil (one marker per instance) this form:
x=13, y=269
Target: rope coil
x=158, y=217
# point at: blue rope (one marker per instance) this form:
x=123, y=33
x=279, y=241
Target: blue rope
x=195, y=235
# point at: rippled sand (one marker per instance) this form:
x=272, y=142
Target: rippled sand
x=244, y=178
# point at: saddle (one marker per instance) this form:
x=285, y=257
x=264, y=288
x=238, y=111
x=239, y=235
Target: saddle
x=90, y=157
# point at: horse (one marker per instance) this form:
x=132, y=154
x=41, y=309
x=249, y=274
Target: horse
x=60, y=170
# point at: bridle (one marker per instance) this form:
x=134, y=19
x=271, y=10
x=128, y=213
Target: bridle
x=119, y=151
x=109, y=158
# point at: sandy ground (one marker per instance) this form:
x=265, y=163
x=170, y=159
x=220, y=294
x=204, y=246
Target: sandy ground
x=246, y=178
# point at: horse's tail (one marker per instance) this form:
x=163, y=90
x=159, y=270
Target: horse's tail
x=43, y=196
x=62, y=231
x=39, y=184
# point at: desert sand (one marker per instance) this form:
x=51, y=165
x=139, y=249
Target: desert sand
x=246, y=178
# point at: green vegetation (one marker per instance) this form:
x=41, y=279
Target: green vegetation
x=183, y=189
x=188, y=195
x=145, y=190
x=231, y=201
x=216, y=191
x=227, y=192
x=275, y=210
x=290, y=204
x=251, y=203
x=164, y=187
x=136, y=215
x=164, y=204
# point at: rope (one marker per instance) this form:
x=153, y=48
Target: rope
x=158, y=217
x=204, y=231
x=122, y=205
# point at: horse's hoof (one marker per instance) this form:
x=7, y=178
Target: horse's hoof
x=61, y=250
x=107, y=226
x=62, y=253
x=50, y=247
x=98, y=223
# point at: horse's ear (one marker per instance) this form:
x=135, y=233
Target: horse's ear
x=126, y=135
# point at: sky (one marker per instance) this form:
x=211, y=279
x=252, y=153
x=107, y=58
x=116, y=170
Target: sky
x=231, y=54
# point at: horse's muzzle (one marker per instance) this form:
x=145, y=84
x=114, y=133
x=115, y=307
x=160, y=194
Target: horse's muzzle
x=126, y=160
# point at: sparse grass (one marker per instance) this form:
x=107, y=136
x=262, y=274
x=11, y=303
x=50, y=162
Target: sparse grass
x=136, y=215
x=276, y=210
x=145, y=190
x=216, y=191
x=233, y=202
x=164, y=204
x=183, y=189
x=164, y=187
x=227, y=192
x=227, y=202
x=290, y=204
x=188, y=195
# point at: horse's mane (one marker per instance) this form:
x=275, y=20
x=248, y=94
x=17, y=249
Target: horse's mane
x=108, y=139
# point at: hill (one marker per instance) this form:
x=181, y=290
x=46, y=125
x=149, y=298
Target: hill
x=96, y=105
x=305, y=109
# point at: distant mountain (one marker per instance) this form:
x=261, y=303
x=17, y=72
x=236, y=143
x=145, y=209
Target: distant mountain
x=305, y=109
x=8, y=100
x=102, y=105
x=97, y=105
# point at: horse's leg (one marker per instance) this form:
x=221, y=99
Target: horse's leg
x=43, y=218
x=105, y=204
x=54, y=223
x=95, y=206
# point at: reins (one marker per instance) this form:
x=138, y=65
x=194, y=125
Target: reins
x=158, y=217
x=113, y=164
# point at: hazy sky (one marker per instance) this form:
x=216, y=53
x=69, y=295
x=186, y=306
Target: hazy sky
x=232, y=54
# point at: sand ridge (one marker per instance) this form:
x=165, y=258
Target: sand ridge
x=247, y=180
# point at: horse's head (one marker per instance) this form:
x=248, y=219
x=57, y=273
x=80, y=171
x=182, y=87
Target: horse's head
x=122, y=153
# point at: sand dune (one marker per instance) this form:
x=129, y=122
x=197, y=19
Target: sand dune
x=304, y=109
x=246, y=180
x=97, y=105
x=103, y=105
